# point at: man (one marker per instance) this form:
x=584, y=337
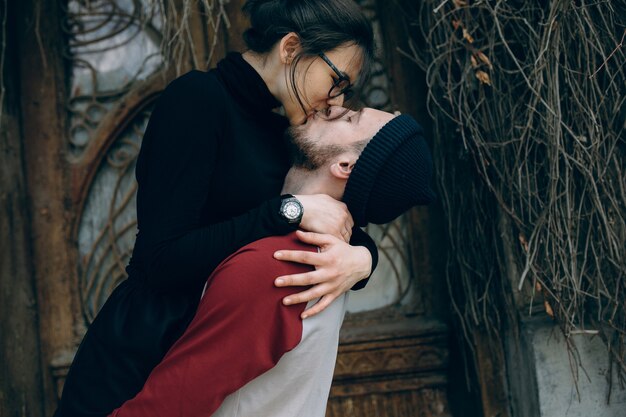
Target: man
x=245, y=353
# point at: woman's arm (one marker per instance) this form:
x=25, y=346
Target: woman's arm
x=175, y=249
x=360, y=238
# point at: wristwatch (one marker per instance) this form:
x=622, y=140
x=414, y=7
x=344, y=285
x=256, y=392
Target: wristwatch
x=291, y=209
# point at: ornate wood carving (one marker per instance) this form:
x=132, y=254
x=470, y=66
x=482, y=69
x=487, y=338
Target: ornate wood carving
x=108, y=225
x=387, y=369
x=420, y=403
x=393, y=356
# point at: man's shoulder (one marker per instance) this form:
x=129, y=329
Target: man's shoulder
x=273, y=243
x=258, y=257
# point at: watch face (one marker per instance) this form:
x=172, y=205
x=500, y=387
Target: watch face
x=291, y=210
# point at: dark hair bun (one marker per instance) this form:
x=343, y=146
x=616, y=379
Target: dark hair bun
x=321, y=24
x=266, y=26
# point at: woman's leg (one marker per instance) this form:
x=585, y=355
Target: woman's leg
x=129, y=337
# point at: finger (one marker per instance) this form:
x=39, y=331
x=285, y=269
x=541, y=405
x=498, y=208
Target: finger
x=317, y=239
x=320, y=306
x=305, y=296
x=300, y=256
x=304, y=278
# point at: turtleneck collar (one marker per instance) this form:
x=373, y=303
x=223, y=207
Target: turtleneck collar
x=245, y=84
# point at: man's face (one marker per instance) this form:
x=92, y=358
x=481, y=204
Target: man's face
x=351, y=127
x=323, y=137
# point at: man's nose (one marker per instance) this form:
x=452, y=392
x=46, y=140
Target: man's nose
x=335, y=112
x=336, y=101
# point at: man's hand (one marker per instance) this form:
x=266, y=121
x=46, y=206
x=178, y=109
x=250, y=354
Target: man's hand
x=337, y=268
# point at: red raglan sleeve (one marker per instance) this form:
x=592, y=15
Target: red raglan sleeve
x=240, y=331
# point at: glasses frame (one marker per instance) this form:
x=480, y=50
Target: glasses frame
x=341, y=78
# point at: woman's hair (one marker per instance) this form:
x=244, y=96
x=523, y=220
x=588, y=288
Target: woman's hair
x=321, y=25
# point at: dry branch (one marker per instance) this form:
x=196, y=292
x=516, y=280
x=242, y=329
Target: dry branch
x=530, y=98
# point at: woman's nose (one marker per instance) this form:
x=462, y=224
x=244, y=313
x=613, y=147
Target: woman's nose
x=336, y=101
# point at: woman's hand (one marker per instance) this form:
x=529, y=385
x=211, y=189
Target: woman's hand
x=324, y=214
x=337, y=268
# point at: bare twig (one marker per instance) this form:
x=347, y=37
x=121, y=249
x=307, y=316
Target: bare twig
x=619, y=45
x=546, y=144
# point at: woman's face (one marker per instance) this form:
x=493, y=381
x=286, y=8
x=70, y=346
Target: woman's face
x=315, y=78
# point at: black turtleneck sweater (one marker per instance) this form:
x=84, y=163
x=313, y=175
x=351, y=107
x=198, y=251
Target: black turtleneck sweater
x=210, y=171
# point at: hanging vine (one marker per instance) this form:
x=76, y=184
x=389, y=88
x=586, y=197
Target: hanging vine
x=531, y=97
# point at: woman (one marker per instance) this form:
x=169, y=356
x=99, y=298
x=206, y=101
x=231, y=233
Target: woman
x=210, y=170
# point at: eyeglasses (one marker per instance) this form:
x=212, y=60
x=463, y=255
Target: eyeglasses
x=341, y=85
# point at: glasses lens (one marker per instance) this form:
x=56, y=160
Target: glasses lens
x=341, y=86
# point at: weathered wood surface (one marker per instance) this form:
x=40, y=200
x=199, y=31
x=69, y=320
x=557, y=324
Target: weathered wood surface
x=20, y=373
x=43, y=93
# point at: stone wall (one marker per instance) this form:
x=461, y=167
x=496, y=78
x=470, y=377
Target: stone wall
x=557, y=393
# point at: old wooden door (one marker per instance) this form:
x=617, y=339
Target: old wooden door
x=90, y=80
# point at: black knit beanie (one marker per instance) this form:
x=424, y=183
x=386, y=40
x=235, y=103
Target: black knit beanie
x=392, y=174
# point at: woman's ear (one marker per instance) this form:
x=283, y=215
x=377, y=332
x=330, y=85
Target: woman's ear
x=342, y=169
x=289, y=47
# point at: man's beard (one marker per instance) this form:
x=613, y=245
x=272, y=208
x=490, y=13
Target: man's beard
x=306, y=153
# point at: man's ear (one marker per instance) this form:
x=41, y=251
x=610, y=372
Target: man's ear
x=289, y=46
x=342, y=168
